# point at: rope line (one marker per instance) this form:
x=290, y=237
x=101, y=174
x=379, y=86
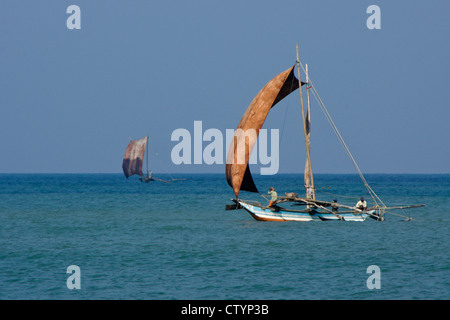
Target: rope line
x=337, y=195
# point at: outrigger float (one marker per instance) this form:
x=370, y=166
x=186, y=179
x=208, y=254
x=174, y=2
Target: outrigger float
x=240, y=179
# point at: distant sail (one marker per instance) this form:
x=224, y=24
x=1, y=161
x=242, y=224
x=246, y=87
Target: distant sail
x=237, y=169
x=134, y=157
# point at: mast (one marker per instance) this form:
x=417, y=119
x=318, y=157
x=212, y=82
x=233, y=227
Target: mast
x=308, y=118
x=146, y=147
x=308, y=156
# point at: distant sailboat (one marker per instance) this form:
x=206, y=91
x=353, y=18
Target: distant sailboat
x=134, y=159
x=240, y=179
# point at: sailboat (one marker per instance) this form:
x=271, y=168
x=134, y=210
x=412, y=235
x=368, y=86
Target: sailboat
x=238, y=173
x=134, y=159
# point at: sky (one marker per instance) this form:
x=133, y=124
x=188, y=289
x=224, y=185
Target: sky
x=70, y=99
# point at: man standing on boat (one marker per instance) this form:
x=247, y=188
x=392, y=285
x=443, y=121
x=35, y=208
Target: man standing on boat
x=362, y=204
x=274, y=195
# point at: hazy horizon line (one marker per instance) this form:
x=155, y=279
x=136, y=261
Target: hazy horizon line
x=253, y=174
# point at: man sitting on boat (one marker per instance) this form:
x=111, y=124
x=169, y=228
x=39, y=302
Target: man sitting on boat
x=334, y=206
x=274, y=195
x=362, y=204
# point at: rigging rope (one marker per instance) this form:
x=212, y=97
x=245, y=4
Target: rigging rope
x=372, y=193
x=337, y=195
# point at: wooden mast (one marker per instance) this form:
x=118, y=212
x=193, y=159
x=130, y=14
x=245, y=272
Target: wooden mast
x=304, y=124
x=147, y=154
x=309, y=137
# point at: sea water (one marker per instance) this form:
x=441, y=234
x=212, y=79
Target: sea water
x=134, y=240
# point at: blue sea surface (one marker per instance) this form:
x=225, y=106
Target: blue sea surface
x=134, y=240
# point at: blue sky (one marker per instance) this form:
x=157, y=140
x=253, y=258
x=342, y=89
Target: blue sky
x=70, y=99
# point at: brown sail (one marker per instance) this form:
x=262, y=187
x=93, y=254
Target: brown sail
x=134, y=157
x=237, y=169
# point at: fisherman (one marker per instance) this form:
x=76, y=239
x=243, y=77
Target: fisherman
x=362, y=204
x=274, y=195
x=334, y=206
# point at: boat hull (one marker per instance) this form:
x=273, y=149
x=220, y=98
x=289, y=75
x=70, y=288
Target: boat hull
x=262, y=213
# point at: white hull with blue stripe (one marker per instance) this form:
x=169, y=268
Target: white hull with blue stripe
x=277, y=213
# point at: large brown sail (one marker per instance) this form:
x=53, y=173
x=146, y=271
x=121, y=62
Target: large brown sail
x=134, y=157
x=237, y=169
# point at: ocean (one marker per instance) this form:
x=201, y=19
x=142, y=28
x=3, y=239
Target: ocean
x=175, y=241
